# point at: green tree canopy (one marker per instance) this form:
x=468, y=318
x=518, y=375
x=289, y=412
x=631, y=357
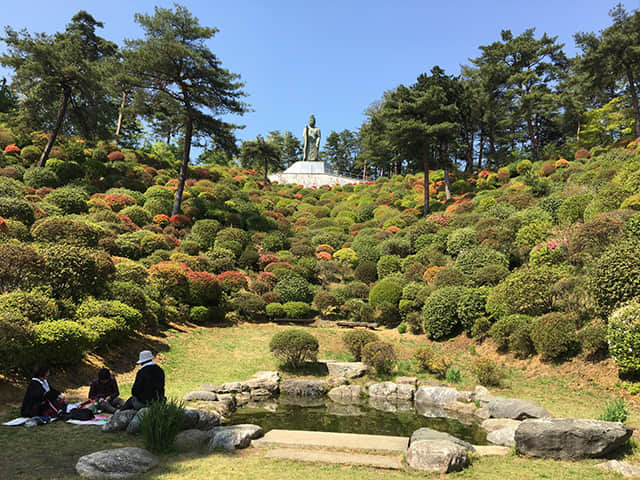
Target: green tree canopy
x=259, y=153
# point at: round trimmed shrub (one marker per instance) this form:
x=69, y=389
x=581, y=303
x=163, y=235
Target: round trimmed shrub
x=471, y=306
x=593, y=339
x=504, y=327
x=491, y=275
x=379, y=355
x=385, y=291
x=130, y=271
x=623, y=335
x=138, y=215
x=16, y=342
x=37, y=177
x=61, y=342
x=293, y=288
x=204, y=232
x=387, y=314
x=199, y=314
x=102, y=330
x=293, y=347
x=554, y=335
x=65, y=170
x=488, y=372
x=296, y=310
x=66, y=230
x=274, y=310
x=395, y=246
x=69, y=199
x=440, y=312
x=204, y=288
x=35, y=305
x=388, y=265
x=471, y=260
x=615, y=278
x=527, y=290
x=356, y=339
x=460, y=240
x=366, y=272
x=20, y=266
x=170, y=279
x=127, y=318
x=17, y=208
x=572, y=209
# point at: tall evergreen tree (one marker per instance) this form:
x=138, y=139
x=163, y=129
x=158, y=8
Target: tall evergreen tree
x=173, y=63
x=62, y=76
x=289, y=145
x=259, y=153
x=341, y=150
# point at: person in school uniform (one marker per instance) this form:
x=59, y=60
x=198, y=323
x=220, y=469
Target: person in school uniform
x=104, y=392
x=40, y=399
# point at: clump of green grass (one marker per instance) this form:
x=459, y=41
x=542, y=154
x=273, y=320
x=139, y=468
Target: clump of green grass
x=161, y=424
x=453, y=375
x=615, y=411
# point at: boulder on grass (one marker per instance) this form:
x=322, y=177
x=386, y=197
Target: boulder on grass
x=516, y=409
x=428, y=434
x=191, y=440
x=190, y=419
x=134, y=425
x=570, y=438
x=347, y=369
x=625, y=469
x=200, y=395
x=119, y=421
x=303, y=388
x=234, y=436
x=437, y=456
x=117, y=463
x=435, y=396
x=207, y=419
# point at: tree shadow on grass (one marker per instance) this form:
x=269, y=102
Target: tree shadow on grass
x=309, y=369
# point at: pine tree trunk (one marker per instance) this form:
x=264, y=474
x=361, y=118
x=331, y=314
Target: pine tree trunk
x=480, y=152
x=188, y=134
x=532, y=139
x=66, y=96
x=447, y=184
x=364, y=172
x=426, y=185
x=634, y=99
x=119, y=126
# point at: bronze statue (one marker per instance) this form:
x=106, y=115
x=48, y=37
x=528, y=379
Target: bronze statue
x=311, y=137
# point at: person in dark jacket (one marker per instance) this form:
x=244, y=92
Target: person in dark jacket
x=40, y=400
x=105, y=393
x=149, y=383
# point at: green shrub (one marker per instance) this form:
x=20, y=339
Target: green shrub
x=449, y=276
x=615, y=411
x=395, y=246
x=30, y=154
x=66, y=230
x=387, y=314
x=615, y=277
x=20, y=266
x=593, y=339
x=130, y=271
x=520, y=342
x=623, y=335
x=471, y=306
x=74, y=272
x=199, y=314
x=37, y=177
x=296, y=310
x=440, y=312
x=428, y=360
x=491, y=275
x=472, y=260
x=527, y=290
x=35, y=305
x=158, y=206
x=572, y=209
x=453, y=375
x=103, y=331
x=460, y=240
x=367, y=272
x=385, y=291
x=160, y=425
x=138, y=215
x=70, y=199
x=17, y=208
x=481, y=328
x=380, y=356
x=293, y=346
x=504, y=327
x=294, y=288
x=61, y=342
x=402, y=328
x=487, y=372
x=65, y=170
x=632, y=227
x=249, y=305
x=17, y=349
x=127, y=317
x=366, y=247
x=532, y=234
x=591, y=238
x=554, y=335
x=356, y=339
x=388, y=265
x=274, y=310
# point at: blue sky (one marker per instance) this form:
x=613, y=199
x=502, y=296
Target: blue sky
x=332, y=58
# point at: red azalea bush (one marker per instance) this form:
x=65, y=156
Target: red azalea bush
x=4, y=228
x=204, y=288
x=180, y=221
x=266, y=258
x=170, y=278
x=267, y=277
x=276, y=265
x=116, y=156
x=12, y=149
x=162, y=220
x=232, y=281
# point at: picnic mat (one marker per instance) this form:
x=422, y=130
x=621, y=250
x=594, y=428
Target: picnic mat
x=97, y=420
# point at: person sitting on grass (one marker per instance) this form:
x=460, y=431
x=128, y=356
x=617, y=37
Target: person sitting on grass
x=149, y=383
x=105, y=393
x=40, y=400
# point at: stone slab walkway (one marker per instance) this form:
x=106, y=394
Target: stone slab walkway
x=342, y=441
x=324, y=456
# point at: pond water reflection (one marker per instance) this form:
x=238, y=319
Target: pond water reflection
x=373, y=417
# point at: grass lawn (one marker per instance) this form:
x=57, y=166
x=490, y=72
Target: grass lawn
x=217, y=355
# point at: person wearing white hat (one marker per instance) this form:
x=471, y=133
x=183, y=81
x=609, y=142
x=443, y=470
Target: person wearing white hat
x=149, y=383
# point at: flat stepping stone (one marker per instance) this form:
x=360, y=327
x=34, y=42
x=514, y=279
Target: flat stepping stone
x=343, y=441
x=490, y=451
x=323, y=456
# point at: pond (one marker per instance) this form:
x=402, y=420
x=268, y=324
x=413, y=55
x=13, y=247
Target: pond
x=325, y=415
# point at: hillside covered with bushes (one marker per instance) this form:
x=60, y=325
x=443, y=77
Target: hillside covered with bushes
x=543, y=257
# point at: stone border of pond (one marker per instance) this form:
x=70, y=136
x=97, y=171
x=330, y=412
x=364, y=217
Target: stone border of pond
x=509, y=422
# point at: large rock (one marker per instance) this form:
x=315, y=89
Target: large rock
x=347, y=369
x=504, y=436
x=134, y=425
x=461, y=408
x=263, y=384
x=407, y=381
x=191, y=419
x=303, y=388
x=383, y=390
x=428, y=434
x=437, y=456
x=493, y=424
x=191, y=440
x=211, y=387
x=570, y=438
x=482, y=395
x=200, y=395
x=273, y=376
x=244, y=398
x=392, y=404
x=234, y=436
x=117, y=463
x=435, y=396
x=333, y=382
x=207, y=419
x=119, y=421
x=346, y=394
x=625, y=469
x=259, y=394
x=234, y=387
x=516, y=409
